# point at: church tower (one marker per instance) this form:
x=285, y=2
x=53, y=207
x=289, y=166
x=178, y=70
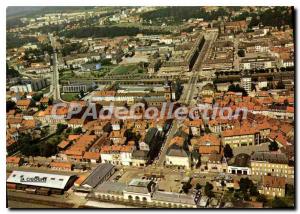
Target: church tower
x=168, y=91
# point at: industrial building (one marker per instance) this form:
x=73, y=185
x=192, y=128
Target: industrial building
x=39, y=183
x=97, y=177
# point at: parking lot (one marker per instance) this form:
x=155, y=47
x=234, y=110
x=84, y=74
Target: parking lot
x=168, y=179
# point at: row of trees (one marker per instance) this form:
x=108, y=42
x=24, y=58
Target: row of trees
x=181, y=13
x=68, y=48
x=113, y=31
x=253, y=71
x=14, y=41
x=11, y=72
x=275, y=17
x=31, y=147
x=34, y=147
x=43, y=47
x=177, y=85
x=237, y=88
x=208, y=188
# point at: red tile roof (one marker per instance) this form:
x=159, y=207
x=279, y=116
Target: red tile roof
x=91, y=155
x=61, y=165
x=274, y=182
x=63, y=144
x=13, y=160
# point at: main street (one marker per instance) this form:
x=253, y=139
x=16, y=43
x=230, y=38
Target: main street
x=236, y=63
x=188, y=92
x=55, y=90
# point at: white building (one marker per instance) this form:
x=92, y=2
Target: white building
x=246, y=84
x=139, y=190
x=21, y=88
x=178, y=158
x=117, y=155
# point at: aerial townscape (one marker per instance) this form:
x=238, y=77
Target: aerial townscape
x=150, y=107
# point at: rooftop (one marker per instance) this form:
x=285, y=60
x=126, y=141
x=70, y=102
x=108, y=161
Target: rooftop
x=111, y=188
x=98, y=174
x=39, y=179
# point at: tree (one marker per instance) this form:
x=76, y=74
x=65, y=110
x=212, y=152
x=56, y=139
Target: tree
x=107, y=31
x=261, y=198
x=77, y=130
x=198, y=186
x=30, y=150
x=273, y=146
x=238, y=194
x=254, y=22
x=207, y=130
x=280, y=85
x=105, y=62
x=15, y=41
x=81, y=93
x=42, y=107
x=107, y=127
x=231, y=189
x=47, y=149
x=10, y=105
x=279, y=203
x=68, y=48
x=32, y=103
x=186, y=187
x=253, y=191
x=60, y=128
x=208, y=189
x=177, y=14
x=228, y=151
x=178, y=89
x=10, y=72
x=50, y=102
x=37, y=97
x=245, y=184
x=237, y=88
x=68, y=130
x=241, y=53
x=290, y=190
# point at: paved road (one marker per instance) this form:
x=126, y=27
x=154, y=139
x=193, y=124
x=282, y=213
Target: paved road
x=55, y=90
x=58, y=201
x=236, y=63
x=21, y=205
x=163, y=153
x=188, y=92
x=100, y=204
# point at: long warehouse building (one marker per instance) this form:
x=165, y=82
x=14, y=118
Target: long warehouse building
x=39, y=183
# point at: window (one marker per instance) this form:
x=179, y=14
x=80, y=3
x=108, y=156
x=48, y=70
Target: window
x=207, y=143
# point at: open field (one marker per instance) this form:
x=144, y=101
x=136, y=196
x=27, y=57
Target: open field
x=127, y=69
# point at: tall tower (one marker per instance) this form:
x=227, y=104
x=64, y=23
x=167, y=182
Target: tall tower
x=168, y=91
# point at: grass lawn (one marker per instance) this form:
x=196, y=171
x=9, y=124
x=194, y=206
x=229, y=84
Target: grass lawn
x=69, y=96
x=95, y=73
x=126, y=69
x=46, y=90
x=65, y=75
